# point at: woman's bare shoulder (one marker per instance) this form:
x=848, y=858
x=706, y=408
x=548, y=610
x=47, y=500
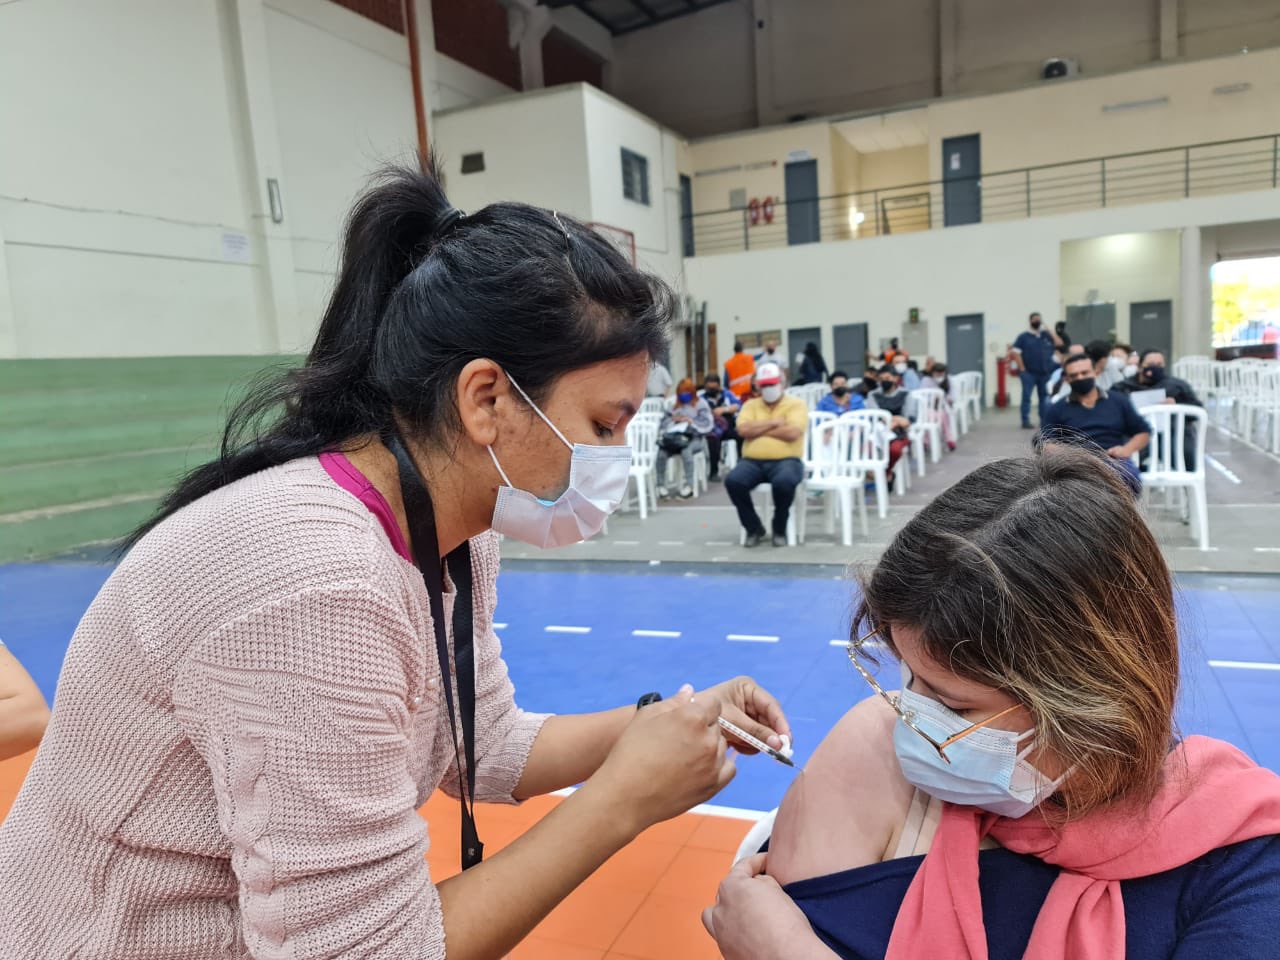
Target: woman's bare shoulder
x=846, y=805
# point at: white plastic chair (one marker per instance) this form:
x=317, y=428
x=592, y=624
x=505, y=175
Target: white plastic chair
x=642, y=435
x=835, y=473
x=968, y=387
x=656, y=405
x=1167, y=461
x=816, y=419
x=930, y=408
x=873, y=458
x=1197, y=371
x=699, y=481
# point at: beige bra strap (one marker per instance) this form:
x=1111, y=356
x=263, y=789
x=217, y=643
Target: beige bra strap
x=922, y=822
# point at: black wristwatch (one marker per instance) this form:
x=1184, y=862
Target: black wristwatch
x=647, y=699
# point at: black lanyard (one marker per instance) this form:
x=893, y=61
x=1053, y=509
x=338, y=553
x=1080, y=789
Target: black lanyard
x=426, y=554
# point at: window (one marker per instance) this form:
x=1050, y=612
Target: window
x=635, y=177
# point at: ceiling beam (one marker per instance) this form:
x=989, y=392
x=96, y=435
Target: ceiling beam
x=694, y=7
x=585, y=7
x=644, y=8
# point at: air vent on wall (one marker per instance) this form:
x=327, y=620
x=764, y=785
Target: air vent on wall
x=1232, y=88
x=473, y=163
x=1136, y=104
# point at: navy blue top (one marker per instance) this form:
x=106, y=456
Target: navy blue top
x=1112, y=422
x=1037, y=351
x=1225, y=904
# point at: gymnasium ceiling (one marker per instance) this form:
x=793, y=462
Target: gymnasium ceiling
x=628, y=16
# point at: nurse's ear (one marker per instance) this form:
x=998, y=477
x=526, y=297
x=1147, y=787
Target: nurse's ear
x=482, y=389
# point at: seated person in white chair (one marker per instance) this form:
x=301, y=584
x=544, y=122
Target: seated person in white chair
x=772, y=427
x=684, y=433
x=1026, y=793
x=724, y=410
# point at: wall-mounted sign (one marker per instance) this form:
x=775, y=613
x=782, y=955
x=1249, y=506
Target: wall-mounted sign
x=795, y=156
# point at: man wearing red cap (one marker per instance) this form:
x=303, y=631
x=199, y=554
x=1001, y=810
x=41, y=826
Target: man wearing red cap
x=772, y=427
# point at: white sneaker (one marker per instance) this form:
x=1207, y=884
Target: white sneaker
x=686, y=492
x=663, y=493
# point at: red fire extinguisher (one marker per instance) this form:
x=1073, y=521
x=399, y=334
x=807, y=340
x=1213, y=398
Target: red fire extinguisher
x=1002, y=374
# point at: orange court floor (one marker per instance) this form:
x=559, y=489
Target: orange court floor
x=644, y=904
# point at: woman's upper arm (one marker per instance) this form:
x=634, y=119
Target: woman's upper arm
x=842, y=809
x=1242, y=901
x=302, y=710
x=23, y=712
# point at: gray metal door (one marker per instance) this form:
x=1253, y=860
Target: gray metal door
x=850, y=348
x=961, y=180
x=802, y=202
x=796, y=339
x=1151, y=327
x=964, y=343
x=1091, y=321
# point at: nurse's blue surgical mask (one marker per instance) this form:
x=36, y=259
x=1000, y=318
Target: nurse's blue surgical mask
x=597, y=483
x=685, y=397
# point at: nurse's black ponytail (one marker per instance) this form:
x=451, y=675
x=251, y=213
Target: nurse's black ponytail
x=421, y=291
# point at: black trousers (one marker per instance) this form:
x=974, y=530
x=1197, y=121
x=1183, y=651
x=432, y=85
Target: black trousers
x=782, y=475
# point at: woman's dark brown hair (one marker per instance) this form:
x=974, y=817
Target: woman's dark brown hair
x=1038, y=576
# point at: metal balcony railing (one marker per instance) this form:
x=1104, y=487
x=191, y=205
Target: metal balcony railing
x=1148, y=176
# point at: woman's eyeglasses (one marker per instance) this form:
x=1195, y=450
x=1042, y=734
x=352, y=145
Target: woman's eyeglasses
x=908, y=717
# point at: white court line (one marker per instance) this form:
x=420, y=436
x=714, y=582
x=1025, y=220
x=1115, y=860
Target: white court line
x=1266, y=549
x=671, y=543
x=1222, y=469
x=655, y=633
x=556, y=628
x=706, y=809
x=499, y=626
x=752, y=638
x=873, y=644
x=719, y=543
x=625, y=543
x=1243, y=665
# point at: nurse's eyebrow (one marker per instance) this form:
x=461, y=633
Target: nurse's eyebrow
x=627, y=407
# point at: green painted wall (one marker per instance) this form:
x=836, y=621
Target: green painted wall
x=87, y=446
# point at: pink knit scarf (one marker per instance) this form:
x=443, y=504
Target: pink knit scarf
x=1213, y=796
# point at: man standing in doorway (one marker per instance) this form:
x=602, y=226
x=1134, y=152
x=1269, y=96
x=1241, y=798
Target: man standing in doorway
x=660, y=382
x=771, y=354
x=738, y=372
x=1034, y=350
x=772, y=427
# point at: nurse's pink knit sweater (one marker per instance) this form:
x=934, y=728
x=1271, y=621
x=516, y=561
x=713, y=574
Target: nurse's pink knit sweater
x=247, y=719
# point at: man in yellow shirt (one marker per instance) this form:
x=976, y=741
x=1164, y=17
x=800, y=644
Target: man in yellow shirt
x=772, y=427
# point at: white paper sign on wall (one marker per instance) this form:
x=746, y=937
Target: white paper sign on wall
x=955, y=161
x=795, y=156
x=235, y=248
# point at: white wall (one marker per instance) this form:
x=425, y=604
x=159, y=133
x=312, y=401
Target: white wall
x=120, y=174
x=1124, y=268
x=816, y=57
x=535, y=151
x=336, y=127
x=133, y=211
x=695, y=74
x=1065, y=120
x=1001, y=270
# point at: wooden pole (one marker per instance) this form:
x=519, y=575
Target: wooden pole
x=419, y=104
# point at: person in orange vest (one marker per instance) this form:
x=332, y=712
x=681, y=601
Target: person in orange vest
x=738, y=372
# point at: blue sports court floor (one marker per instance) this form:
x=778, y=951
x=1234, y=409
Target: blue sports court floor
x=587, y=638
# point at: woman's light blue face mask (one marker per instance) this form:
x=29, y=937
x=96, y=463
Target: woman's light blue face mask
x=985, y=768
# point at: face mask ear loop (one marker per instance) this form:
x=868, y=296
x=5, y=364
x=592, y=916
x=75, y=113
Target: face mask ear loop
x=502, y=473
x=553, y=427
x=1026, y=751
